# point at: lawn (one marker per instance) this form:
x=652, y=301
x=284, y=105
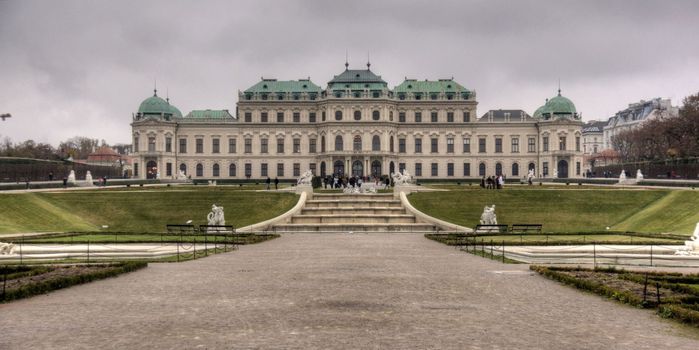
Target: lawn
x=568, y=209
x=135, y=209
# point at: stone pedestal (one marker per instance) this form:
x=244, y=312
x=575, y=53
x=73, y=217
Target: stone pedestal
x=305, y=188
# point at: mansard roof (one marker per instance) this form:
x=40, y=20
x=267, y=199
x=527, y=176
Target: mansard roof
x=209, y=114
x=356, y=76
x=430, y=86
x=594, y=126
x=283, y=86
x=499, y=115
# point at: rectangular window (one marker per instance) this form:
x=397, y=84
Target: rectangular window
x=545, y=143
x=297, y=147
x=418, y=117
x=577, y=143
x=531, y=145
x=401, y=167
x=577, y=168
x=450, y=117
x=434, y=145
x=183, y=145
x=467, y=169
x=232, y=146
x=135, y=169
x=312, y=145
x=450, y=169
x=418, y=145
x=248, y=145
x=151, y=144
x=467, y=145
x=481, y=145
x=215, y=146
x=297, y=118
x=248, y=170
x=433, y=117
x=280, y=146
x=312, y=167
x=515, y=145
x=467, y=116
x=168, y=144
x=199, y=146
x=263, y=170
x=280, y=169
x=450, y=145
x=248, y=117
x=264, y=118
x=264, y=145
x=562, y=143
x=546, y=168
x=401, y=117
x=498, y=145
x=168, y=169
x=401, y=145
x=435, y=169
x=312, y=117
x=297, y=169
x=280, y=117
x=418, y=169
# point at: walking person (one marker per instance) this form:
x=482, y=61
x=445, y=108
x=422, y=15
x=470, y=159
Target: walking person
x=268, y=182
x=276, y=183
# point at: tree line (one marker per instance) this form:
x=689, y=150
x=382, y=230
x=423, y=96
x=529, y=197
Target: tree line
x=662, y=138
x=78, y=147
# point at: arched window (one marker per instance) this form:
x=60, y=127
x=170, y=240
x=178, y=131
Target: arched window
x=338, y=115
x=481, y=169
x=376, y=115
x=376, y=143
x=515, y=169
x=357, y=143
x=357, y=115
x=183, y=168
x=322, y=169
x=498, y=169
x=390, y=144
x=200, y=170
x=338, y=143
x=215, y=170
x=231, y=170
x=531, y=166
x=322, y=143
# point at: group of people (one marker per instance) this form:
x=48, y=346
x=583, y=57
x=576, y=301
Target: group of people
x=269, y=182
x=493, y=182
x=342, y=181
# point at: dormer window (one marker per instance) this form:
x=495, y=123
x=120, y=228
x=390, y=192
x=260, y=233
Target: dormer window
x=401, y=96
x=305, y=86
x=410, y=86
x=264, y=86
x=449, y=86
x=356, y=76
x=433, y=96
x=280, y=97
x=418, y=96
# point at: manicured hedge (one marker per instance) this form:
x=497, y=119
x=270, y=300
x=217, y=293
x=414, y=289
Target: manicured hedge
x=67, y=281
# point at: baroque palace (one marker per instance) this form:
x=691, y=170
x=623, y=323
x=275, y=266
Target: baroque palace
x=356, y=126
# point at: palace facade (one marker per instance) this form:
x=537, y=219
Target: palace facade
x=357, y=125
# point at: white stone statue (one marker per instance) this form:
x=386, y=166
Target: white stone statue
x=488, y=217
x=7, y=248
x=402, y=179
x=181, y=175
x=622, y=177
x=555, y=173
x=351, y=190
x=215, y=217
x=305, y=178
x=71, y=177
x=157, y=175
x=639, y=175
x=88, y=179
x=691, y=247
x=530, y=175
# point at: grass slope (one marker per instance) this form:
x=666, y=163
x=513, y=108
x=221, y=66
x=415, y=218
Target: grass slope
x=135, y=210
x=677, y=212
x=559, y=210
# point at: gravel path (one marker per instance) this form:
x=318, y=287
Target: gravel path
x=313, y=291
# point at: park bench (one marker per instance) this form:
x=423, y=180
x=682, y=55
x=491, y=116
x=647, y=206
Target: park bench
x=216, y=229
x=526, y=229
x=491, y=229
x=181, y=229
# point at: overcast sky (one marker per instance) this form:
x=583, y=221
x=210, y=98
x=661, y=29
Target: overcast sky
x=71, y=68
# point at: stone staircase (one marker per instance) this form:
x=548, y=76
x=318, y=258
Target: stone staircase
x=343, y=213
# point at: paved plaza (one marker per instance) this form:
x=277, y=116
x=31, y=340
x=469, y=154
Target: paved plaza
x=332, y=291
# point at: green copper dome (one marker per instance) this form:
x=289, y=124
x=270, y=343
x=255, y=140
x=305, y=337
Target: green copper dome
x=156, y=106
x=557, y=107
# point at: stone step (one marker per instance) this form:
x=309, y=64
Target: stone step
x=342, y=196
x=416, y=227
x=353, y=219
x=352, y=203
x=356, y=210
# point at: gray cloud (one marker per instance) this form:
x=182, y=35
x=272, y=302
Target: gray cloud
x=81, y=68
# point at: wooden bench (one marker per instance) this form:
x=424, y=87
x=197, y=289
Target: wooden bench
x=491, y=229
x=526, y=229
